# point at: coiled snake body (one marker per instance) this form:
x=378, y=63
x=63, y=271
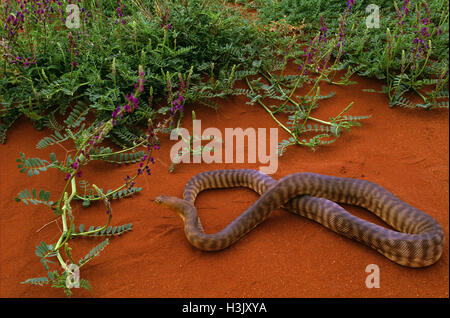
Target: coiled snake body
x=418, y=241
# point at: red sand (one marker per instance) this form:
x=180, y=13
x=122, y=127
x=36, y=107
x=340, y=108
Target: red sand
x=286, y=256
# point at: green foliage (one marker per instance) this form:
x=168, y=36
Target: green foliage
x=111, y=194
x=52, y=140
x=392, y=52
x=308, y=12
x=7, y=120
x=101, y=231
x=44, y=251
x=93, y=252
x=213, y=41
x=32, y=196
x=313, y=143
x=60, y=281
x=77, y=115
x=388, y=52
x=125, y=136
x=106, y=154
x=299, y=111
x=126, y=192
x=436, y=96
x=87, y=147
x=37, y=281
x=34, y=165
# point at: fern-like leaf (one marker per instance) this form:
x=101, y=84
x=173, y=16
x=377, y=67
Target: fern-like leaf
x=126, y=192
x=284, y=144
x=123, y=136
x=318, y=128
x=318, y=140
x=110, y=230
x=121, y=158
x=43, y=197
x=353, y=118
x=123, y=193
x=77, y=115
x=41, y=281
x=402, y=102
x=93, y=253
x=53, y=139
x=8, y=120
x=444, y=104
x=51, y=122
x=241, y=91
x=43, y=251
x=34, y=165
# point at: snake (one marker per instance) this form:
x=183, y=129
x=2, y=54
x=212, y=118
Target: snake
x=415, y=240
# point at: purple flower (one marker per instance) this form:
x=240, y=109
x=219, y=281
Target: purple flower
x=150, y=101
x=127, y=108
x=127, y=182
x=350, y=3
x=323, y=30
x=115, y=112
x=132, y=99
x=140, y=83
x=75, y=165
x=120, y=12
x=164, y=24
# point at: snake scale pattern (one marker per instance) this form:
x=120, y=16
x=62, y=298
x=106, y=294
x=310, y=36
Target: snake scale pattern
x=417, y=241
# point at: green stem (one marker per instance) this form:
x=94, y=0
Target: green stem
x=424, y=64
x=273, y=117
x=73, y=174
x=345, y=109
x=116, y=190
x=306, y=117
x=420, y=94
x=66, y=229
x=97, y=156
x=61, y=261
x=101, y=194
x=298, y=106
x=94, y=231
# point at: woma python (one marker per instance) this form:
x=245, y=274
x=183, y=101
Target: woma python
x=417, y=242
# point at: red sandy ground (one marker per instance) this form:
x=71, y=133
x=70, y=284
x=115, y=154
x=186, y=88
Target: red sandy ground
x=286, y=256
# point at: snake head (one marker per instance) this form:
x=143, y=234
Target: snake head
x=165, y=201
x=160, y=199
x=173, y=203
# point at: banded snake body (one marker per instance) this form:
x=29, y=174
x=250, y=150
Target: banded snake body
x=417, y=242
